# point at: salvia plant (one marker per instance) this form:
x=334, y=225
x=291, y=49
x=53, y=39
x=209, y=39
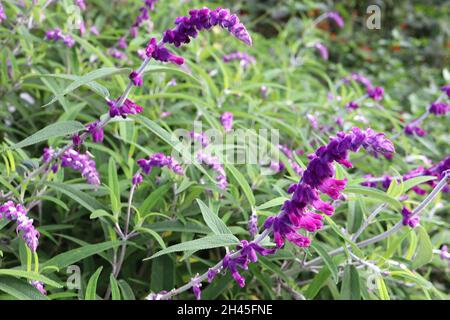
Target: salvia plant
x=180, y=149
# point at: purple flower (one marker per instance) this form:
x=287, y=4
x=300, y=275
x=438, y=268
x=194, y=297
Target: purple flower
x=446, y=89
x=200, y=137
x=196, y=288
x=283, y=231
x=151, y=4
x=76, y=140
x=244, y=58
x=82, y=163
x=361, y=79
x=122, y=43
x=204, y=19
x=117, y=54
x=312, y=121
x=232, y=265
x=54, y=34
x=161, y=53
x=439, y=108
x=410, y=129
x=81, y=4
x=2, y=13
x=444, y=255
x=212, y=274
x=137, y=179
x=12, y=212
x=227, y=121
x=408, y=220
x=323, y=50
x=160, y=160
x=136, y=78
x=336, y=17
x=128, y=107
x=94, y=31
x=96, y=131
x=253, y=225
x=48, y=154
x=375, y=93
x=352, y=105
x=40, y=286
x=68, y=41
x=264, y=91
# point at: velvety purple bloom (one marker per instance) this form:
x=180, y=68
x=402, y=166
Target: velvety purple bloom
x=312, y=121
x=376, y=93
x=48, y=154
x=232, y=265
x=81, y=4
x=76, y=140
x=12, y=212
x=352, y=105
x=446, y=89
x=411, y=129
x=165, y=114
x=136, y=78
x=444, y=255
x=2, y=13
x=151, y=4
x=361, y=79
x=82, y=163
x=129, y=107
x=94, y=31
x=439, y=108
x=264, y=91
x=137, y=179
x=117, y=54
x=161, y=53
x=200, y=137
x=227, y=121
x=212, y=274
x=336, y=17
x=408, y=220
x=196, y=288
x=96, y=131
x=253, y=225
x=244, y=58
x=122, y=43
x=204, y=19
x=323, y=50
x=282, y=230
x=68, y=41
x=160, y=160
x=39, y=285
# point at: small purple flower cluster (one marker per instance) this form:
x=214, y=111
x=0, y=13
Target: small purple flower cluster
x=144, y=15
x=408, y=220
x=439, y=108
x=82, y=163
x=18, y=213
x=201, y=137
x=244, y=58
x=323, y=50
x=446, y=89
x=117, y=54
x=128, y=107
x=81, y=4
x=336, y=17
x=214, y=163
x=444, y=255
x=56, y=35
x=158, y=160
x=96, y=131
x=319, y=177
x=227, y=121
x=2, y=13
x=136, y=78
x=160, y=53
x=253, y=224
x=204, y=19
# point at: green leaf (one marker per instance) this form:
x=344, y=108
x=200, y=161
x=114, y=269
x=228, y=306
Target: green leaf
x=375, y=194
x=327, y=259
x=382, y=289
x=115, y=291
x=20, y=289
x=319, y=280
x=163, y=274
x=70, y=257
x=214, y=241
x=91, y=288
x=88, y=78
x=243, y=183
x=350, y=288
x=102, y=213
x=153, y=198
x=127, y=292
x=30, y=276
x=153, y=233
x=113, y=183
x=57, y=129
x=272, y=203
x=424, y=253
x=410, y=183
x=212, y=220
x=77, y=195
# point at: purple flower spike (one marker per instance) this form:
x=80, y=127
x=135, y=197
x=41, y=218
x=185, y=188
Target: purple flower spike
x=12, y=212
x=82, y=163
x=137, y=179
x=214, y=163
x=227, y=121
x=244, y=58
x=40, y=286
x=2, y=13
x=204, y=19
x=376, y=93
x=411, y=129
x=439, y=108
x=161, y=53
x=253, y=225
x=336, y=17
x=160, y=160
x=136, y=79
x=48, y=154
x=212, y=274
x=323, y=50
x=76, y=140
x=446, y=89
x=352, y=105
x=408, y=220
x=129, y=107
x=96, y=131
x=196, y=288
x=81, y=4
